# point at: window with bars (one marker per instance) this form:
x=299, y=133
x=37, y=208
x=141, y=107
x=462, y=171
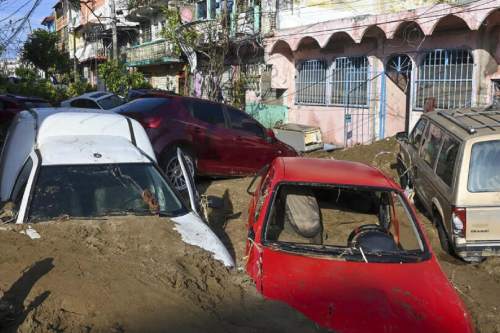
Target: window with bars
x=349, y=81
x=445, y=79
x=310, y=82
x=345, y=82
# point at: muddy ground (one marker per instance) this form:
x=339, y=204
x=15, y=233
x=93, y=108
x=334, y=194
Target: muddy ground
x=135, y=275
x=478, y=285
x=125, y=274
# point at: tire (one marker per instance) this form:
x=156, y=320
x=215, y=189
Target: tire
x=443, y=237
x=171, y=167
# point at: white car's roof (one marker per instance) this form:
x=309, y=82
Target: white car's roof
x=89, y=149
x=52, y=131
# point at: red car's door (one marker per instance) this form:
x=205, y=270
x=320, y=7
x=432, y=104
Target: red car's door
x=248, y=143
x=210, y=136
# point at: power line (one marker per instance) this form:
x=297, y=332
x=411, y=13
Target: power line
x=21, y=25
x=15, y=12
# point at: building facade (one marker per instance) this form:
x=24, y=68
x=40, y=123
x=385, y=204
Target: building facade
x=149, y=52
x=365, y=70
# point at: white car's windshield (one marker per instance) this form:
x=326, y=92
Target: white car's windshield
x=100, y=190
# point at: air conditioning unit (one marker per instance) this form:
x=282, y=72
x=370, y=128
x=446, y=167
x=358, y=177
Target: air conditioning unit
x=301, y=137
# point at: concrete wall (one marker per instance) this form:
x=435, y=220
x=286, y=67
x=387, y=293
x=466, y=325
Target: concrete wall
x=304, y=12
x=267, y=114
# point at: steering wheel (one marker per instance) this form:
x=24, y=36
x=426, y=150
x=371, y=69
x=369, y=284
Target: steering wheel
x=353, y=236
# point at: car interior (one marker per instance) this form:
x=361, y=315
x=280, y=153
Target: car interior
x=87, y=191
x=342, y=217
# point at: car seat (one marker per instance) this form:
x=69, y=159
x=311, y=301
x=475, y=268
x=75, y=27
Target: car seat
x=301, y=214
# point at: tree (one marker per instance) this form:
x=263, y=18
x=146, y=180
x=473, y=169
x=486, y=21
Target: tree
x=41, y=50
x=118, y=79
x=208, y=41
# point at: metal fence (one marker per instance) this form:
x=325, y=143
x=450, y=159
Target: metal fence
x=349, y=81
x=343, y=82
x=446, y=77
x=310, y=83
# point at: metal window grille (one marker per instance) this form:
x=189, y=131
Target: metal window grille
x=349, y=81
x=445, y=76
x=310, y=83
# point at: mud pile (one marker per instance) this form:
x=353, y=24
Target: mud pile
x=127, y=274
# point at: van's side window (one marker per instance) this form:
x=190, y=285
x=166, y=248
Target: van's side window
x=416, y=134
x=446, y=161
x=21, y=181
x=432, y=144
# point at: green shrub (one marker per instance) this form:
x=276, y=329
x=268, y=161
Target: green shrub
x=118, y=79
x=79, y=88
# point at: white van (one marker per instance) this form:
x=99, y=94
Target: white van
x=85, y=164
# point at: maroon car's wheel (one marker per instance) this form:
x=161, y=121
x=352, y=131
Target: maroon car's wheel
x=173, y=169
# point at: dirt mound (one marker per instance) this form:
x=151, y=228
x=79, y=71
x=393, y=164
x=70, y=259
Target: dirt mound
x=130, y=274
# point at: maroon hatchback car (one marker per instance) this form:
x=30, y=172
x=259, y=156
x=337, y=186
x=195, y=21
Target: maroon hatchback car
x=217, y=139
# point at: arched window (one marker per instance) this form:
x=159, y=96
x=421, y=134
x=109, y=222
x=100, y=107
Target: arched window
x=310, y=82
x=445, y=79
x=350, y=81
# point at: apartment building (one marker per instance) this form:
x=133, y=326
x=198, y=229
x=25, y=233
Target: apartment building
x=149, y=52
x=364, y=70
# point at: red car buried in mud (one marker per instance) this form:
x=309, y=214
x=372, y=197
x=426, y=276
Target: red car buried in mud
x=339, y=242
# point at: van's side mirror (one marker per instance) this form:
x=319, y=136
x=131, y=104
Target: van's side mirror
x=402, y=136
x=270, y=137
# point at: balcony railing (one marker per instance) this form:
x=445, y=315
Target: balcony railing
x=246, y=22
x=135, y=4
x=156, y=52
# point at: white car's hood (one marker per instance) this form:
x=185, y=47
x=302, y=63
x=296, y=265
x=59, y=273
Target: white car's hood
x=195, y=232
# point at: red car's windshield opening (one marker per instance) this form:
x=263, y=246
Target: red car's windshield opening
x=356, y=223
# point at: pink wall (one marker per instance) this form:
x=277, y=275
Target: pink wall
x=395, y=109
x=329, y=119
x=375, y=37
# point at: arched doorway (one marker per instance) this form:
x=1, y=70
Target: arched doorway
x=398, y=70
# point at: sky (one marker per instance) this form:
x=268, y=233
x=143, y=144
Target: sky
x=9, y=7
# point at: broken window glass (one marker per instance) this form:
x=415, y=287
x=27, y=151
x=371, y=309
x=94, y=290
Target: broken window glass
x=343, y=220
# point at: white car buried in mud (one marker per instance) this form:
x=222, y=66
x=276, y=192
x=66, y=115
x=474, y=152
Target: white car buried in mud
x=71, y=163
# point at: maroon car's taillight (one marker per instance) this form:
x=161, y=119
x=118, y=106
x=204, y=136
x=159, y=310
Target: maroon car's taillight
x=151, y=122
x=459, y=220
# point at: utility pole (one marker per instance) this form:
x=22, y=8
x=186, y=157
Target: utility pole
x=72, y=28
x=114, y=31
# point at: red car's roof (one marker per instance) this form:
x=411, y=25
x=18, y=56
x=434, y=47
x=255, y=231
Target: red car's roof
x=319, y=170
